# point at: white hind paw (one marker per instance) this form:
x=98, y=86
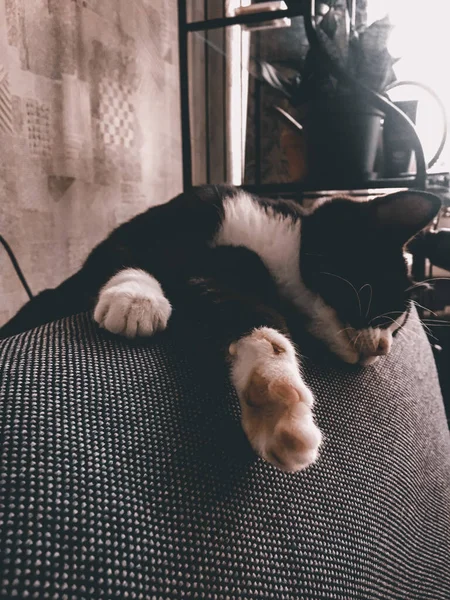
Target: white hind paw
x=276, y=404
x=132, y=304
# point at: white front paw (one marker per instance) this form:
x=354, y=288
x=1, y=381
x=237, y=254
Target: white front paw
x=276, y=404
x=132, y=304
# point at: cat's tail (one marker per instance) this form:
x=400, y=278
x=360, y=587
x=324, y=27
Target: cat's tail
x=67, y=299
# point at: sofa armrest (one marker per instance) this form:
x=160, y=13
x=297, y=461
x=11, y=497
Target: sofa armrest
x=125, y=474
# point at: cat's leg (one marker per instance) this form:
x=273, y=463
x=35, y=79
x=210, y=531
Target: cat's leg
x=239, y=305
x=236, y=300
x=276, y=404
x=132, y=303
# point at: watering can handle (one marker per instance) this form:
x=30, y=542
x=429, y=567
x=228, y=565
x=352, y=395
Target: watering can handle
x=442, y=109
x=371, y=97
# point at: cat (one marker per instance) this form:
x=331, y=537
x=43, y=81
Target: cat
x=241, y=264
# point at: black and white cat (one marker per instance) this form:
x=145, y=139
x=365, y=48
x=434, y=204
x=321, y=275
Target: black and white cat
x=242, y=264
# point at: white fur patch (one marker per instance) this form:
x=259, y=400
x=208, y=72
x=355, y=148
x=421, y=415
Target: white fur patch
x=276, y=404
x=275, y=238
x=272, y=236
x=132, y=304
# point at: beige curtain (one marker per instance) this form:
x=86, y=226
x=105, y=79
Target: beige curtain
x=89, y=128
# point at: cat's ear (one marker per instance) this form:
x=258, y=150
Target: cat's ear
x=400, y=216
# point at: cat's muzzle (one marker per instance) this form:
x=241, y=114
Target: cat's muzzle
x=371, y=343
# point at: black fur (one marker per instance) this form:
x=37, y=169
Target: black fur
x=352, y=255
x=345, y=246
x=170, y=241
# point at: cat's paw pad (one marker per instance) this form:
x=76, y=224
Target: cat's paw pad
x=132, y=308
x=278, y=421
x=276, y=404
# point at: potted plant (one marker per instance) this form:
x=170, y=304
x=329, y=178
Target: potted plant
x=341, y=132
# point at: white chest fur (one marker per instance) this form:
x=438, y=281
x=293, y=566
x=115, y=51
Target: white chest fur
x=275, y=238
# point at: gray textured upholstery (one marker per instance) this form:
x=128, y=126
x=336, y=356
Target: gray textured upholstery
x=124, y=474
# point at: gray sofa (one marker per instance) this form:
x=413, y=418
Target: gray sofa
x=125, y=474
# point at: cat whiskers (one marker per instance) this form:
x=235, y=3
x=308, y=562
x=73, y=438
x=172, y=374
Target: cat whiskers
x=400, y=330
x=423, y=307
x=428, y=332
x=357, y=338
x=386, y=315
x=345, y=329
x=427, y=328
x=437, y=322
x=425, y=283
x=350, y=284
x=405, y=334
x=370, y=299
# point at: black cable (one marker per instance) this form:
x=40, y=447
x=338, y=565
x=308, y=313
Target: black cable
x=16, y=266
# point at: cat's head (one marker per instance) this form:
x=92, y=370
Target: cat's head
x=352, y=256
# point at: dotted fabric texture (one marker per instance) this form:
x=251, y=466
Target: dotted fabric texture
x=125, y=474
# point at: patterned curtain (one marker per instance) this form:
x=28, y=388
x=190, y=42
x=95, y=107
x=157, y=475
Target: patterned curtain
x=89, y=128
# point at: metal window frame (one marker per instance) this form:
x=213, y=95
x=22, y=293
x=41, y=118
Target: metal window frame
x=185, y=28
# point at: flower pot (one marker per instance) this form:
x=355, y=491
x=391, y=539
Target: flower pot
x=398, y=143
x=341, y=145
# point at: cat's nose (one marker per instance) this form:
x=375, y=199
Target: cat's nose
x=378, y=347
x=371, y=343
x=370, y=354
x=382, y=348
